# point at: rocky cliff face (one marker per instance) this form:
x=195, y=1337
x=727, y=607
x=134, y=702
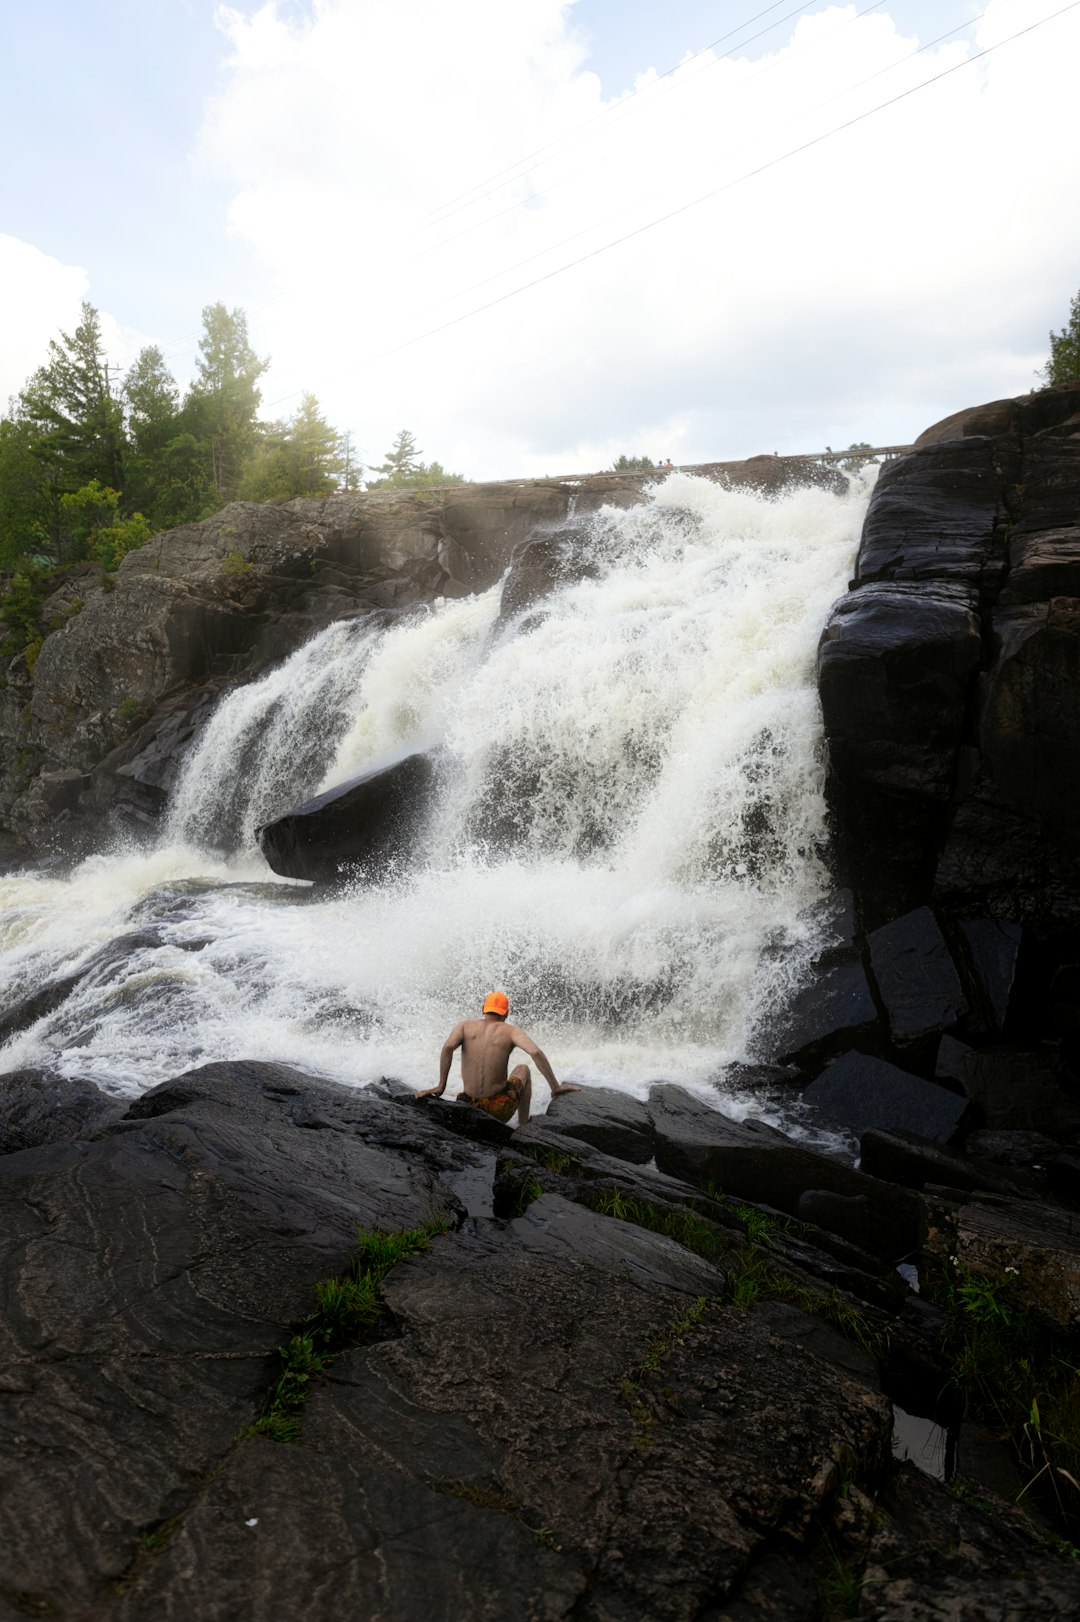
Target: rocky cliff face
x=950, y=674
x=137, y=659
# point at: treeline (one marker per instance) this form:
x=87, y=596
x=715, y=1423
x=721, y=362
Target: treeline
x=92, y=464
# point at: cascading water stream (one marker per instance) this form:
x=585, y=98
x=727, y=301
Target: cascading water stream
x=627, y=836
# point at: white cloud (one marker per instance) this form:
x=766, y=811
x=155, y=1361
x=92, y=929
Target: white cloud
x=888, y=274
x=45, y=298
x=42, y=297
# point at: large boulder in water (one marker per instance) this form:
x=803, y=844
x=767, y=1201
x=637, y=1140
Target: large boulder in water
x=365, y=822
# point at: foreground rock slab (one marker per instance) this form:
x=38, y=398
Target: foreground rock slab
x=559, y=1414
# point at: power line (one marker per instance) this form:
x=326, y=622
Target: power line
x=595, y=225
x=455, y=204
x=705, y=197
x=613, y=113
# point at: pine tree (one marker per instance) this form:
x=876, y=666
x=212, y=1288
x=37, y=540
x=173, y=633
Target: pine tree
x=153, y=402
x=402, y=458
x=29, y=498
x=299, y=458
x=79, y=421
x=223, y=402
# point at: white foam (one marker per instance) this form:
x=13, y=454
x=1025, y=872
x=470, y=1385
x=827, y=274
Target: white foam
x=630, y=818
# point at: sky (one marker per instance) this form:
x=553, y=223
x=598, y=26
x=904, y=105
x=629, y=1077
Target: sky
x=543, y=234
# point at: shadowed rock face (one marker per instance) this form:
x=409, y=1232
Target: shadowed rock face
x=950, y=674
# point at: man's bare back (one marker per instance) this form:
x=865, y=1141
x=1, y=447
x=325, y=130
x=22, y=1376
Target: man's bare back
x=486, y=1045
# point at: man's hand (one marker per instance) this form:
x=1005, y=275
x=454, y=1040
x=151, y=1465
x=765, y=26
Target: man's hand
x=431, y=1092
x=562, y=1087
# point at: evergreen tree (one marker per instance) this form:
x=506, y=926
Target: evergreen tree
x=402, y=458
x=153, y=402
x=404, y=468
x=223, y=403
x=79, y=422
x=1064, y=363
x=633, y=464
x=29, y=512
x=298, y=458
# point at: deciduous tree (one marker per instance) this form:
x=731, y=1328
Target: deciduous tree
x=1064, y=362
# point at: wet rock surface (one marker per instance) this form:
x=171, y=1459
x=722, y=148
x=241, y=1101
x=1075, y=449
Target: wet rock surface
x=949, y=673
x=364, y=824
x=562, y=1411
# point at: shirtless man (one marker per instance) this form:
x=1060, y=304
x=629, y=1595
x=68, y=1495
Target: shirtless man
x=486, y=1045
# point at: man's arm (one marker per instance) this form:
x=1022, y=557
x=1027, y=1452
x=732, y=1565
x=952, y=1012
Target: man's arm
x=449, y=1048
x=540, y=1059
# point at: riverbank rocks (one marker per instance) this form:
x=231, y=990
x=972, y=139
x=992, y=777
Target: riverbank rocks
x=558, y=1412
x=863, y=1092
x=365, y=824
x=609, y=1120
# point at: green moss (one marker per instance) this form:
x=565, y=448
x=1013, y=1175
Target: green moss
x=348, y=1310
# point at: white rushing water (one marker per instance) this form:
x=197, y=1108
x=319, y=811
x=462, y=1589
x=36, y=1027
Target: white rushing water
x=629, y=824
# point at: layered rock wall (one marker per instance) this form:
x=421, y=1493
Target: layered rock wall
x=950, y=674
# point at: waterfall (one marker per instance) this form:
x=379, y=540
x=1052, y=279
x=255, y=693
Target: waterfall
x=628, y=836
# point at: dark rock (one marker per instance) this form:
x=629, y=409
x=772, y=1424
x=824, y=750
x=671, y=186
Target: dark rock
x=1043, y=564
x=865, y=1092
x=1030, y=724
x=834, y=924
x=909, y=1160
x=936, y=514
x=1033, y=1249
x=366, y=822
x=831, y=1013
x=893, y=670
x=974, y=804
x=1063, y=1173
x=543, y=563
x=610, y=1120
x=993, y=950
x=160, y=1267
x=1012, y=1088
x=916, y=977
x=28, y=1010
x=752, y=1162
x=934, y=1554
x=950, y=1055
x=882, y=1224
x=818, y=1338
x=1023, y=1151
x=996, y=859
x=39, y=1107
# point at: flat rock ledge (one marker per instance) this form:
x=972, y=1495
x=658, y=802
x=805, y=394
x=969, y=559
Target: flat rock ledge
x=570, y=1405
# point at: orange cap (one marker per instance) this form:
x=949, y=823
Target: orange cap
x=497, y=1003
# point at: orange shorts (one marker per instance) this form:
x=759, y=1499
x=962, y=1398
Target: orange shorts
x=503, y=1105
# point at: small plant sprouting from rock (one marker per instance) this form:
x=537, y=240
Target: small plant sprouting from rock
x=1020, y=1375
x=632, y=1389
x=531, y=1189
x=235, y=563
x=486, y=1497
x=159, y=1537
x=348, y=1309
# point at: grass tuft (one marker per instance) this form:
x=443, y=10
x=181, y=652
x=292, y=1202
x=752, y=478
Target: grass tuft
x=348, y=1310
